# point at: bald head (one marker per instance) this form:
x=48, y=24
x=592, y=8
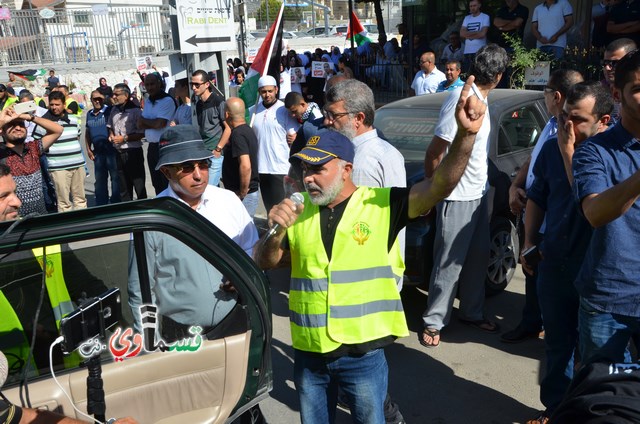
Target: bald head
x=234, y=109
x=427, y=62
x=335, y=80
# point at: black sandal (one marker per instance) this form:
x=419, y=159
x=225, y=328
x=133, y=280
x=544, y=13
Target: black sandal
x=431, y=332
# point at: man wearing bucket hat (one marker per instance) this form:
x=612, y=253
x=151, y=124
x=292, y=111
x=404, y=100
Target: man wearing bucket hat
x=271, y=124
x=344, y=306
x=184, y=294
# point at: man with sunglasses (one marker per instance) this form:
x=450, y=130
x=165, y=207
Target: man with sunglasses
x=101, y=151
x=184, y=295
x=126, y=138
x=209, y=116
x=615, y=51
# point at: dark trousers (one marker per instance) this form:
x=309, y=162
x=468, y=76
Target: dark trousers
x=531, y=316
x=160, y=183
x=48, y=189
x=131, y=173
x=272, y=189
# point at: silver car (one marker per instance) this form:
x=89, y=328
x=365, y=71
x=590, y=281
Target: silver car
x=517, y=119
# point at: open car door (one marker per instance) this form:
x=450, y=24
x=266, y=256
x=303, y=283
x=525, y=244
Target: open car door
x=204, y=357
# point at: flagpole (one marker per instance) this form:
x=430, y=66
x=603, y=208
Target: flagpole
x=265, y=70
x=273, y=39
x=351, y=24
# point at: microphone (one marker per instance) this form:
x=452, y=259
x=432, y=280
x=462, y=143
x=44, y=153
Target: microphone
x=297, y=199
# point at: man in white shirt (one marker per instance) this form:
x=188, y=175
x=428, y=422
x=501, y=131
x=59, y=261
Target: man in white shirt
x=549, y=24
x=271, y=123
x=474, y=30
x=428, y=77
x=461, y=247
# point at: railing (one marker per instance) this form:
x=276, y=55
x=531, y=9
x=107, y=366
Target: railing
x=388, y=79
x=84, y=35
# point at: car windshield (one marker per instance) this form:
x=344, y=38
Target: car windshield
x=408, y=130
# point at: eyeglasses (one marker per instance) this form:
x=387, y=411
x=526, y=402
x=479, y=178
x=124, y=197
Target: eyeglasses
x=197, y=84
x=189, y=167
x=333, y=116
x=609, y=63
x=97, y=99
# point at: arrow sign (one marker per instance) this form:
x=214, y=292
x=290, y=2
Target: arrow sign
x=204, y=40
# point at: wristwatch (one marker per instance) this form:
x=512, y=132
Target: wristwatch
x=218, y=149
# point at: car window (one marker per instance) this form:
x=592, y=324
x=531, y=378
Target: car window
x=408, y=130
x=371, y=28
x=519, y=129
x=185, y=288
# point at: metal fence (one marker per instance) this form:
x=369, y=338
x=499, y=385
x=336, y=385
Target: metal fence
x=84, y=35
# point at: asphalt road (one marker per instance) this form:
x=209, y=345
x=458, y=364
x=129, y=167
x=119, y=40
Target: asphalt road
x=470, y=378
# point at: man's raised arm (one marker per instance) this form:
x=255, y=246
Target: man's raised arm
x=470, y=112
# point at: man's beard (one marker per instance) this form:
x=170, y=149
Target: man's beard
x=327, y=195
x=348, y=130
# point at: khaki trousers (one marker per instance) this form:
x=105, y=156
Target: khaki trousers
x=69, y=182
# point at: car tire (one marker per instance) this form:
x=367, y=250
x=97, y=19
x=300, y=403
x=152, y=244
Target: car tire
x=503, y=255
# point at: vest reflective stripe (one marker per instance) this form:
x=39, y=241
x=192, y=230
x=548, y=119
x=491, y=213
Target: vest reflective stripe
x=306, y=284
x=356, y=311
x=57, y=290
x=315, y=320
x=56, y=287
x=353, y=298
x=338, y=277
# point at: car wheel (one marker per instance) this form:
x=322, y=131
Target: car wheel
x=503, y=255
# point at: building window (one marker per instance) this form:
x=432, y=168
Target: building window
x=142, y=18
x=82, y=19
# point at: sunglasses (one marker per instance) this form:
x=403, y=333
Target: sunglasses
x=609, y=63
x=97, y=99
x=189, y=167
x=197, y=84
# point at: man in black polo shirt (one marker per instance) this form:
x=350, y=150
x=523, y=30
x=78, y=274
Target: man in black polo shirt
x=240, y=166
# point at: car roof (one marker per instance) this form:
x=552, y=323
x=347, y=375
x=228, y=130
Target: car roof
x=496, y=97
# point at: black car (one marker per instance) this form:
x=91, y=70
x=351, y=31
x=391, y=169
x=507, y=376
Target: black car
x=517, y=119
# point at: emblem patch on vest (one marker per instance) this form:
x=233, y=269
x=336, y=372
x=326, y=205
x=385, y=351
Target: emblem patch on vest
x=361, y=232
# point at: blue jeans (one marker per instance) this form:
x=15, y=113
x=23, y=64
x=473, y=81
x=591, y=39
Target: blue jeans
x=555, y=51
x=215, y=170
x=105, y=167
x=604, y=336
x=559, y=306
x=362, y=379
x=251, y=201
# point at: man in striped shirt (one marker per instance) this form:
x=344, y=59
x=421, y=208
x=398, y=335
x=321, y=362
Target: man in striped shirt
x=66, y=162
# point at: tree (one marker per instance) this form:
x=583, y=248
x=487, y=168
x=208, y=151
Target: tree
x=266, y=18
x=377, y=7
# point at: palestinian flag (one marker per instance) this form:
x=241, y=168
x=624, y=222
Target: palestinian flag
x=267, y=62
x=359, y=34
x=29, y=74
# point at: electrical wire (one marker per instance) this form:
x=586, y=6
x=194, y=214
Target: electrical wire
x=53, y=374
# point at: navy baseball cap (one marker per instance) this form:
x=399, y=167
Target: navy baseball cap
x=325, y=146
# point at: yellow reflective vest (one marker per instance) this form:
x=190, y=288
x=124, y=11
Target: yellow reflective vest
x=9, y=102
x=68, y=101
x=12, y=337
x=353, y=298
